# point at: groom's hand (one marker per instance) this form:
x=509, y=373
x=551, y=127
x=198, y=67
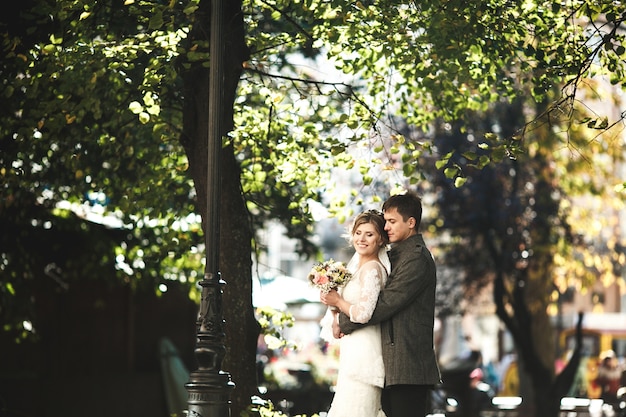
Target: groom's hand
x=337, y=333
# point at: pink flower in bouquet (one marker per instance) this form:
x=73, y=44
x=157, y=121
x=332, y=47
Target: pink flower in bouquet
x=329, y=275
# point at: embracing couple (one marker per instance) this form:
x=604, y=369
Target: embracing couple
x=384, y=317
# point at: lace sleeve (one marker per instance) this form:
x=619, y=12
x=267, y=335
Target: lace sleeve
x=371, y=279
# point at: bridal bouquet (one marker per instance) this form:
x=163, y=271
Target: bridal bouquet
x=329, y=275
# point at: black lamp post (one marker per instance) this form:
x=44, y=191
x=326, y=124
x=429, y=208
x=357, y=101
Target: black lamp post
x=209, y=387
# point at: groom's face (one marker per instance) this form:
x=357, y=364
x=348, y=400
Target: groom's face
x=397, y=228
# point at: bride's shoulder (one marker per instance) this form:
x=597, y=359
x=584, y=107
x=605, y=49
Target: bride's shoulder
x=373, y=265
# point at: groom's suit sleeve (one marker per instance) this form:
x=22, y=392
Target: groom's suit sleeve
x=406, y=282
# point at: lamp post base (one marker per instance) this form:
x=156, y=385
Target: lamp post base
x=209, y=394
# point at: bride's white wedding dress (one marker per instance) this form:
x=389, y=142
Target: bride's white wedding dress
x=361, y=372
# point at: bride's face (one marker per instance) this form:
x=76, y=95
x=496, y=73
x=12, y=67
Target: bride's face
x=366, y=241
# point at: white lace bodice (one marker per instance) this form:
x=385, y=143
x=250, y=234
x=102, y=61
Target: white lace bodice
x=362, y=292
x=363, y=289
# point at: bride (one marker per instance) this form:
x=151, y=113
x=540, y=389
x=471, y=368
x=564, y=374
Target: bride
x=361, y=372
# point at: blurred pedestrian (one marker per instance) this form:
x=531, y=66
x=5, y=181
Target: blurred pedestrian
x=479, y=396
x=609, y=377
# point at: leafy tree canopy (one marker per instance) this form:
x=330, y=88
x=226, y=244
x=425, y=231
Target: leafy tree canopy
x=92, y=103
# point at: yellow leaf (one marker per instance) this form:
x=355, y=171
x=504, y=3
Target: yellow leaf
x=459, y=181
x=135, y=107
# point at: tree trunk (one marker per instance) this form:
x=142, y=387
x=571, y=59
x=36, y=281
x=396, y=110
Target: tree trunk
x=235, y=264
x=522, y=307
x=242, y=329
x=537, y=398
x=540, y=352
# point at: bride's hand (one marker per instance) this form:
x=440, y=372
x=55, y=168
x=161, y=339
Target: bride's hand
x=331, y=298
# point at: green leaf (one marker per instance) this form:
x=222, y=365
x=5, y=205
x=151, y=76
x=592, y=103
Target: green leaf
x=144, y=117
x=451, y=172
x=135, y=107
x=156, y=20
x=471, y=156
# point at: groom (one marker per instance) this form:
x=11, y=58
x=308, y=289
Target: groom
x=406, y=313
